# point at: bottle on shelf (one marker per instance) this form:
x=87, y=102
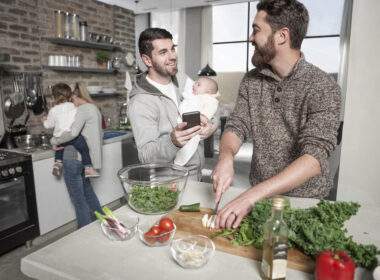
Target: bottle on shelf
x=273, y=265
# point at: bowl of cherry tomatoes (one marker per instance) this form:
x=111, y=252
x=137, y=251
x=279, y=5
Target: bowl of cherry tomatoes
x=156, y=234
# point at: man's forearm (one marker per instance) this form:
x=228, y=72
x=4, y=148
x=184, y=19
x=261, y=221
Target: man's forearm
x=294, y=175
x=229, y=145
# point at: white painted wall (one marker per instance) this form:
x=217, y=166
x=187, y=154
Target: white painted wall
x=359, y=178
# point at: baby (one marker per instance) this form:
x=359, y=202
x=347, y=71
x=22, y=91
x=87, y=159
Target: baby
x=206, y=91
x=197, y=96
x=61, y=117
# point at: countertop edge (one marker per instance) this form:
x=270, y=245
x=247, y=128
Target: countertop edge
x=41, y=154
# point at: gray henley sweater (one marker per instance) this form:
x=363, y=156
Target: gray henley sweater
x=288, y=118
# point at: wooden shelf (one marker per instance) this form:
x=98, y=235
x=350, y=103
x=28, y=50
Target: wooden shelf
x=80, y=69
x=83, y=44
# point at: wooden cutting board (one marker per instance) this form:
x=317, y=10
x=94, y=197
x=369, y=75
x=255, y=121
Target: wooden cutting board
x=190, y=223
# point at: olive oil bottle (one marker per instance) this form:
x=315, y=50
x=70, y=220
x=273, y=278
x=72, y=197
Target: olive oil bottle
x=273, y=265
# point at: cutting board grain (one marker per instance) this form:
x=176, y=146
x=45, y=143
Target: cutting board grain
x=190, y=223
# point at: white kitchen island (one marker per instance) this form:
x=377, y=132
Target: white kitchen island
x=87, y=254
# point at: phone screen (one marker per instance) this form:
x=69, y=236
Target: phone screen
x=192, y=119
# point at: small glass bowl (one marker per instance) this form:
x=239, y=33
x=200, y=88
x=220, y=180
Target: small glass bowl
x=192, y=251
x=154, y=241
x=130, y=222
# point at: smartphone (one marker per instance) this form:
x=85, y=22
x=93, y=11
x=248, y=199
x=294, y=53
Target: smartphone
x=192, y=119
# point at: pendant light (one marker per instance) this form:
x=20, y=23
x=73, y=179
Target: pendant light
x=207, y=71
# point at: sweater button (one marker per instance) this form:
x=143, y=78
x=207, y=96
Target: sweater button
x=279, y=89
x=277, y=100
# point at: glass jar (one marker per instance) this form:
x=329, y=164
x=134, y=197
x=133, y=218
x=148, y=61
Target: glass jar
x=59, y=22
x=75, y=27
x=83, y=31
x=68, y=26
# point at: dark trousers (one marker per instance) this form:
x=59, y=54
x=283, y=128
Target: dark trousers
x=81, y=146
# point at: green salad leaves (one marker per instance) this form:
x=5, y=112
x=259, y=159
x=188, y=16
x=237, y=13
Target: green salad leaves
x=311, y=230
x=153, y=200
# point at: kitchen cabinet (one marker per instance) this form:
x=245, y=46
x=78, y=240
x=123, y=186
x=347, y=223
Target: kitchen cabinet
x=53, y=201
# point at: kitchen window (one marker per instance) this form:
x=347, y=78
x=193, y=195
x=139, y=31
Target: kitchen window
x=232, y=52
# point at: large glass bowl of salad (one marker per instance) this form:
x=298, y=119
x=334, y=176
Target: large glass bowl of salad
x=153, y=188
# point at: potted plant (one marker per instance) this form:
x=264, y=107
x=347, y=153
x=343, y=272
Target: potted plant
x=102, y=59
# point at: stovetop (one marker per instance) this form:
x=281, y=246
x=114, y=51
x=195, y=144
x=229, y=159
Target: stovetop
x=8, y=157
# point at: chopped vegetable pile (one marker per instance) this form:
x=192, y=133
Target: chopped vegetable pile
x=153, y=200
x=190, y=254
x=110, y=220
x=312, y=230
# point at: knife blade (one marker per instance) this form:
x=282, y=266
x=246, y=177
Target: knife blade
x=213, y=215
x=216, y=208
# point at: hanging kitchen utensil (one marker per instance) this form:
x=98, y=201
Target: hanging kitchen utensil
x=38, y=105
x=11, y=109
x=17, y=96
x=31, y=94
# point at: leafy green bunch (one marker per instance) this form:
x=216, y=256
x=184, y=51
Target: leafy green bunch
x=153, y=200
x=311, y=230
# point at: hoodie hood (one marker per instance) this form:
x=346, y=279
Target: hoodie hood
x=142, y=86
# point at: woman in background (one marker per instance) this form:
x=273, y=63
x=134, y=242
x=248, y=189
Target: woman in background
x=88, y=122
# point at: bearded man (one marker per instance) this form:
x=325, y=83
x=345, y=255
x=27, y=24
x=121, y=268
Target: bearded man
x=153, y=107
x=291, y=109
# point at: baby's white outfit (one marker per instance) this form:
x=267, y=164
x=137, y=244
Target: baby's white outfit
x=208, y=104
x=61, y=118
x=191, y=103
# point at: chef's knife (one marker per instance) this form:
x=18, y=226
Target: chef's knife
x=213, y=215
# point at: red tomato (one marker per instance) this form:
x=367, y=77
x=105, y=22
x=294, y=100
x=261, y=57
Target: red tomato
x=166, y=224
x=150, y=237
x=164, y=237
x=155, y=229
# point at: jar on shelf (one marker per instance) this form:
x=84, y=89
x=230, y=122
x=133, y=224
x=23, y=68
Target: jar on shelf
x=83, y=31
x=59, y=23
x=75, y=27
x=68, y=26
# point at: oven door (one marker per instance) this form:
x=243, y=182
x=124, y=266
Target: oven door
x=18, y=213
x=13, y=203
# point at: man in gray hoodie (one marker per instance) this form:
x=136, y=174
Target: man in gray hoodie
x=153, y=106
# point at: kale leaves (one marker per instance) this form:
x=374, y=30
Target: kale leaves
x=311, y=230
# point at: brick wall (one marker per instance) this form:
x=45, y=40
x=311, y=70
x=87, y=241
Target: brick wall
x=24, y=22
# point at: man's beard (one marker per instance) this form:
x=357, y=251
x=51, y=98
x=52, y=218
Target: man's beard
x=164, y=71
x=263, y=55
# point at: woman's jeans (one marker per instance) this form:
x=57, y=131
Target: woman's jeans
x=81, y=193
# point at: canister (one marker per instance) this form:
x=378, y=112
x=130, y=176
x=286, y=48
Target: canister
x=59, y=22
x=68, y=26
x=83, y=31
x=75, y=27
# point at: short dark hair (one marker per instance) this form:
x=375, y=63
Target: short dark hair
x=61, y=93
x=287, y=13
x=150, y=34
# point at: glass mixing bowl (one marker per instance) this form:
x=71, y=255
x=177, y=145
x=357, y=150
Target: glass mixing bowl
x=153, y=188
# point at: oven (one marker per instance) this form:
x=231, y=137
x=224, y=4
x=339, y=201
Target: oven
x=18, y=208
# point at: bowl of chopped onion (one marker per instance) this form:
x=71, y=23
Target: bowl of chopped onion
x=192, y=251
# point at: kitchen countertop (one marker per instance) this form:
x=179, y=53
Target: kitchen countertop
x=41, y=154
x=88, y=254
